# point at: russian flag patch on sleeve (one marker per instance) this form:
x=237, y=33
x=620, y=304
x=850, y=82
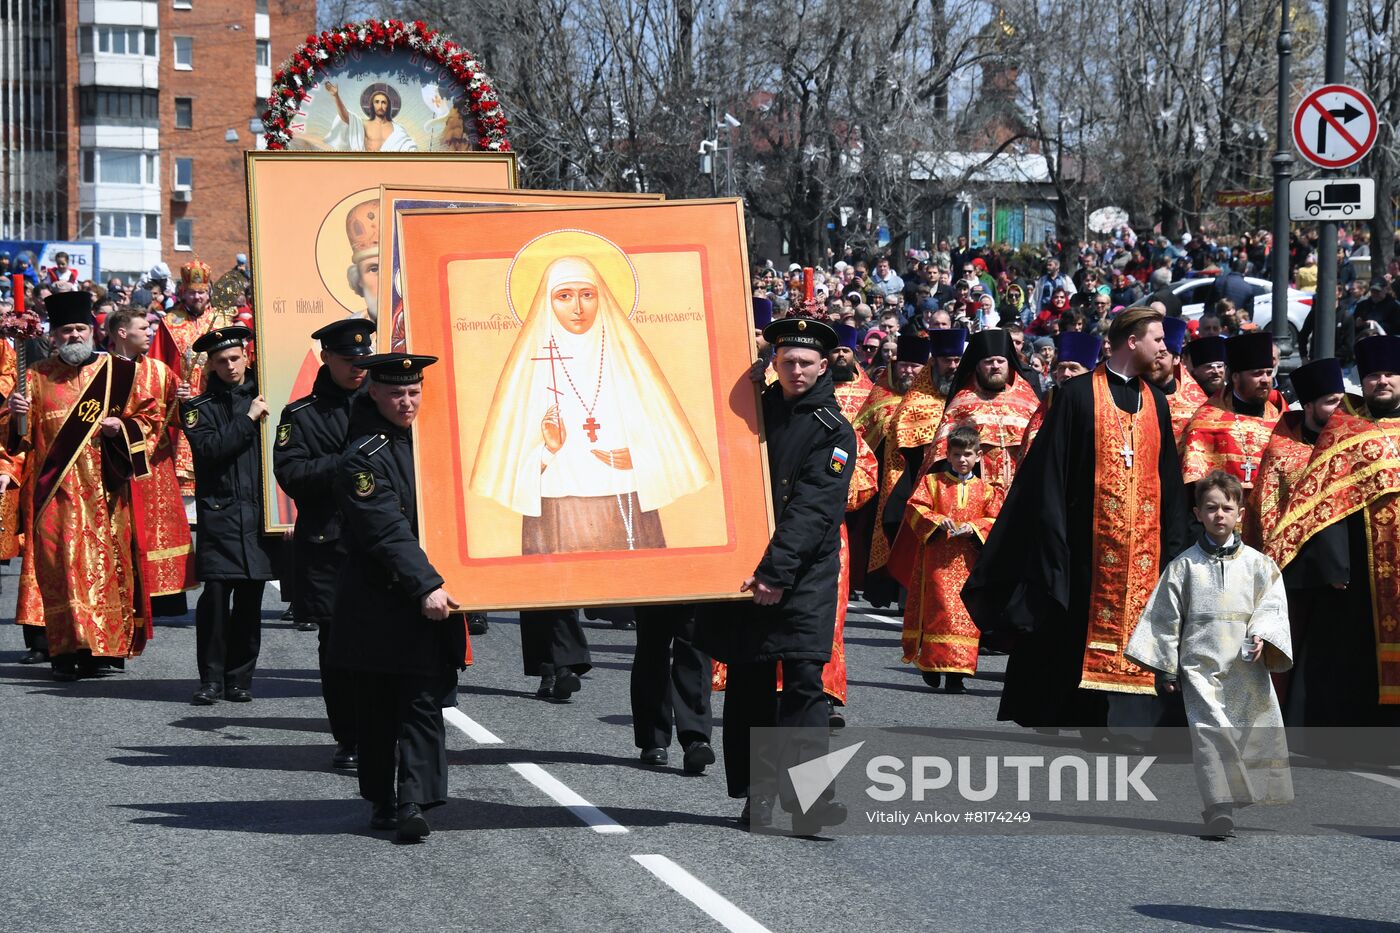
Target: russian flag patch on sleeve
x=838, y=461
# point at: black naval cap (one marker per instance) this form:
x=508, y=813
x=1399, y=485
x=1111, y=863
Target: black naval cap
x=807, y=332
x=350, y=337
x=233, y=336
x=396, y=369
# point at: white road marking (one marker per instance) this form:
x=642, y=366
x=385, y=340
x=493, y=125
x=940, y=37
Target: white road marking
x=562, y=794
x=473, y=729
x=275, y=585
x=1378, y=778
x=700, y=894
x=883, y=620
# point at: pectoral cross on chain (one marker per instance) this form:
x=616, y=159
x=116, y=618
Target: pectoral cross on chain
x=592, y=427
x=1249, y=469
x=1127, y=453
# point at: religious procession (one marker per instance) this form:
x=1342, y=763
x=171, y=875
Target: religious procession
x=482, y=545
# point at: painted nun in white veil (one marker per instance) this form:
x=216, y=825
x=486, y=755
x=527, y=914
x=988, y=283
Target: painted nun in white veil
x=585, y=438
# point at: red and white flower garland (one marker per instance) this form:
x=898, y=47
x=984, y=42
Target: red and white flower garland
x=323, y=53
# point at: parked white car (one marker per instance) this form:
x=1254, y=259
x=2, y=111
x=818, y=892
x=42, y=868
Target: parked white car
x=1195, y=293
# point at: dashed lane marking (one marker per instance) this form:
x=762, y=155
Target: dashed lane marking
x=473, y=729
x=720, y=908
x=562, y=794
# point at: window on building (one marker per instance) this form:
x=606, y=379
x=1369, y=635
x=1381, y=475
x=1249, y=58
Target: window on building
x=184, y=174
x=262, y=6
x=119, y=225
x=116, y=40
x=264, y=53
x=133, y=108
x=184, y=53
x=184, y=113
x=118, y=167
x=184, y=234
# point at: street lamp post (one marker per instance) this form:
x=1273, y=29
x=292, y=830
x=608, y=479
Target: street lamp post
x=1325, y=300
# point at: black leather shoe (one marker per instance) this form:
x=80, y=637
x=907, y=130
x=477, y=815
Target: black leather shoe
x=654, y=757
x=546, y=691
x=34, y=656
x=345, y=758
x=237, y=695
x=823, y=813
x=477, y=623
x=287, y=615
x=306, y=627
x=698, y=756
x=206, y=695
x=65, y=675
x=757, y=813
x=385, y=816
x=412, y=826
x=955, y=684
x=835, y=719
x=933, y=679
x=566, y=683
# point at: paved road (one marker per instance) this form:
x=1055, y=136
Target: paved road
x=131, y=810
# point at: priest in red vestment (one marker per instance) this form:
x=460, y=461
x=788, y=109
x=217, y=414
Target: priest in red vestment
x=1184, y=396
x=989, y=394
x=191, y=319
x=86, y=438
x=1095, y=513
x=1343, y=518
x=1076, y=352
x=1231, y=430
x=162, y=527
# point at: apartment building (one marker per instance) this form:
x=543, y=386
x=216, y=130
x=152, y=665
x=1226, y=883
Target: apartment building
x=125, y=121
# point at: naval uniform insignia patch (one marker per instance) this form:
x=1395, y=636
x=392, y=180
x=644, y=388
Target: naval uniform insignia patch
x=838, y=461
x=284, y=434
x=364, y=483
x=192, y=417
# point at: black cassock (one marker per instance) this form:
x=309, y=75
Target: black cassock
x=1030, y=586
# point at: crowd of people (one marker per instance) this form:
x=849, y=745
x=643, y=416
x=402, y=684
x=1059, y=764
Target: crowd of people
x=1010, y=458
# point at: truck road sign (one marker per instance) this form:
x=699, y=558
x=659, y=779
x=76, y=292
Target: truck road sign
x=1332, y=199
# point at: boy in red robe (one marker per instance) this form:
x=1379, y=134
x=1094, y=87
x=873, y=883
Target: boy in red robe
x=946, y=523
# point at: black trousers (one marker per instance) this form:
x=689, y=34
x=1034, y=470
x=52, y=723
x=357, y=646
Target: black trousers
x=553, y=637
x=752, y=701
x=402, y=736
x=317, y=566
x=228, y=631
x=36, y=638
x=670, y=679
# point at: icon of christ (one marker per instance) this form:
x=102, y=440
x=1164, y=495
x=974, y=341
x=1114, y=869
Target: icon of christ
x=584, y=438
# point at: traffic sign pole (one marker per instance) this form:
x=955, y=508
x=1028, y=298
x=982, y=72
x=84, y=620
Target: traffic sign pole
x=1324, y=307
x=1283, y=170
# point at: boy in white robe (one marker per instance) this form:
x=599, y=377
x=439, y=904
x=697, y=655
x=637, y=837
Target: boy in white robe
x=1214, y=628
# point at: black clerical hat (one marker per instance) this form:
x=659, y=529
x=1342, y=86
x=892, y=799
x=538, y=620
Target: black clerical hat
x=1316, y=379
x=1379, y=354
x=807, y=332
x=1174, y=333
x=350, y=337
x=222, y=339
x=399, y=369
x=912, y=348
x=847, y=336
x=1205, y=350
x=986, y=343
x=64, y=308
x=1248, y=352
